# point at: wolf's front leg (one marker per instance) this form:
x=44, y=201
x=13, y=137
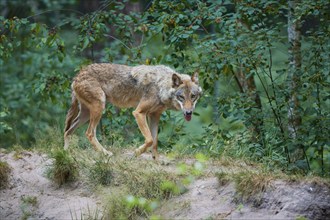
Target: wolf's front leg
x=141, y=120
x=153, y=125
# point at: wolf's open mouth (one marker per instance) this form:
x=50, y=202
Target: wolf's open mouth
x=187, y=116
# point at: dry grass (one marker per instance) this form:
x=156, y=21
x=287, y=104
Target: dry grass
x=141, y=178
x=223, y=178
x=249, y=185
x=49, y=139
x=101, y=172
x=120, y=205
x=64, y=169
x=129, y=187
x=4, y=174
x=138, y=185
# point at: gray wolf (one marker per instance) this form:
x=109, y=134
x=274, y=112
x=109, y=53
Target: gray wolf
x=149, y=89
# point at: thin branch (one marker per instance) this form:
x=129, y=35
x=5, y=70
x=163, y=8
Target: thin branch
x=108, y=35
x=237, y=81
x=48, y=11
x=277, y=116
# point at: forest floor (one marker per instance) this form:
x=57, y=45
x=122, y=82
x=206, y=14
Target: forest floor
x=30, y=194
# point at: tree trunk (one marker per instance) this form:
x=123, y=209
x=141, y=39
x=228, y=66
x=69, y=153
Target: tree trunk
x=294, y=70
x=247, y=85
x=294, y=76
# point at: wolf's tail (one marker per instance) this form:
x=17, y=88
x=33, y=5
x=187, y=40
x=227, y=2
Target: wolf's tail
x=72, y=113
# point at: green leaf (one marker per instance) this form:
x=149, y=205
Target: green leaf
x=195, y=27
x=85, y=44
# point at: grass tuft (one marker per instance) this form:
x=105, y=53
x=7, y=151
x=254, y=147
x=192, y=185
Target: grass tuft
x=122, y=205
x=250, y=185
x=143, y=178
x=101, y=172
x=119, y=208
x=31, y=200
x=4, y=174
x=223, y=178
x=49, y=139
x=88, y=214
x=137, y=186
x=64, y=169
x=28, y=206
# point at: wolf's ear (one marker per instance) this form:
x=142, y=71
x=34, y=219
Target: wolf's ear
x=194, y=78
x=176, y=80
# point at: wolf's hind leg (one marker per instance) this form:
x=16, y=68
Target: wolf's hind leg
x=96, y=108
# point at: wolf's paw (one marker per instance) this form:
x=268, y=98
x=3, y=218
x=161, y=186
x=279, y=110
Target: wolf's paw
x=155, y=156
x=137, y=152
x=107, y=153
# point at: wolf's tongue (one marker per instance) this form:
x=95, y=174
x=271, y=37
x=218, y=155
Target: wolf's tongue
x=187, y=117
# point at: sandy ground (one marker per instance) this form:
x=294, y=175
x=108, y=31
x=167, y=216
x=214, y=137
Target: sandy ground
x=205, y=199
x=28, y=181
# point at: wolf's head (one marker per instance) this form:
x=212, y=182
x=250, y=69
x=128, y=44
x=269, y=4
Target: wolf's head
x=187, y=92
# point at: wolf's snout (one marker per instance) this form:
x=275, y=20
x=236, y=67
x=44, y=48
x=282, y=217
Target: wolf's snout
x=187, y=115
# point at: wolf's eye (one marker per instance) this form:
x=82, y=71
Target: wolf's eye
x=180, y=97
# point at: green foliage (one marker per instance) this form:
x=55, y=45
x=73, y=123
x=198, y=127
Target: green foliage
x=33, y=80
x=122, y=206
x=226, y=57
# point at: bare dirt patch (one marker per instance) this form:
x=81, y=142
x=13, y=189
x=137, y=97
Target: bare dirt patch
x=205, y=199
